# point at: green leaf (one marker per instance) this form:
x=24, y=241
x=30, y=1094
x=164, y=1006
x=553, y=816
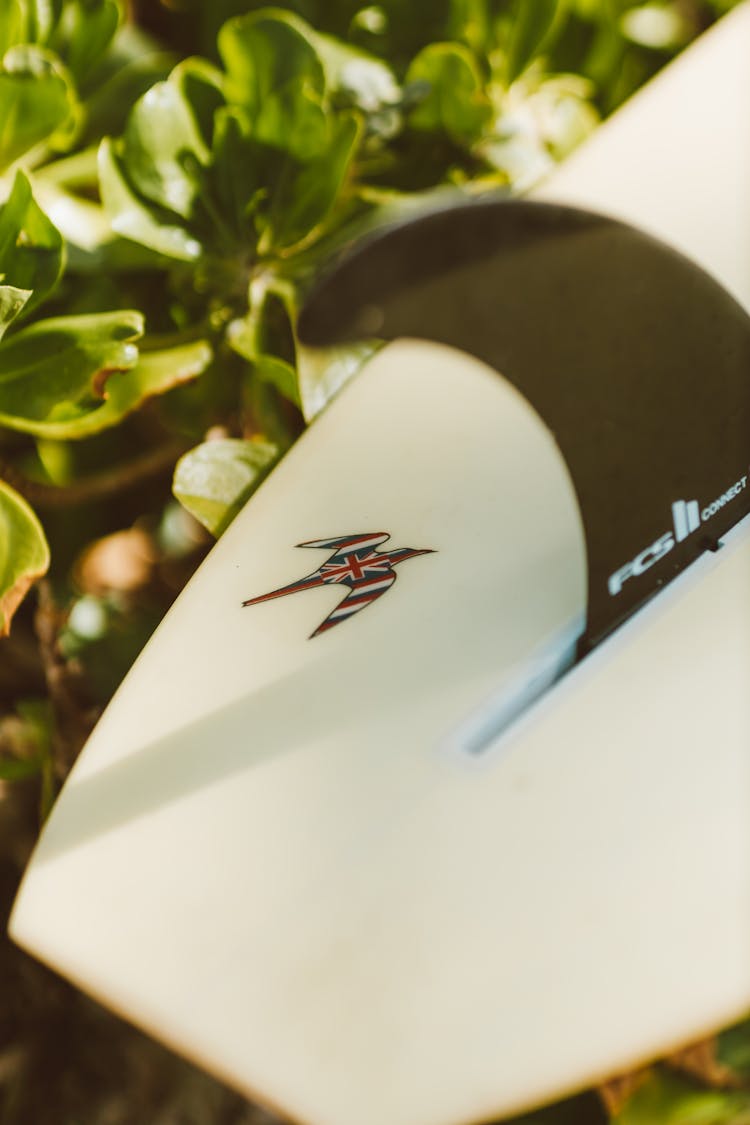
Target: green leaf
x=214, y=480
x=12, y=300
x=126, y=80
x=530, y=25
x=160, y=133
x=240, y=172
x=154, y=374
x=469, y=23
x=132, y=219
x=37, y=102
x=364, y=80
x=657, y=26
x=249, y=337
x=304, y=194
x=31, y=248
x=52, y=374
x=43, y=16
x=83, y=33
x=12, y=24
x=24, y=554
x=456, y=103
x=28, y=21
x=84, y=226
x=279, y=374
x=322, y=372
x=244, y=334
x=668, y=1099
x=201, y=85
x=275, y=74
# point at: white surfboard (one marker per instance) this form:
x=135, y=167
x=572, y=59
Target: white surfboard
x=370, y=848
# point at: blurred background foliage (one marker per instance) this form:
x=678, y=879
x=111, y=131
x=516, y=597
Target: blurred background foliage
x=171, y=176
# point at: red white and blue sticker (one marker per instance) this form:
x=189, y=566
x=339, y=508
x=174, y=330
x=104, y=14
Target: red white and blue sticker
x=355, y=563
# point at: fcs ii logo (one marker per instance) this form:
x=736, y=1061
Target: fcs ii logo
x=356, y=564
x=686, y=518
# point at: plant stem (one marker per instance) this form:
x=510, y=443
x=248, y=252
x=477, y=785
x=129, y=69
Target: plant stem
x=99, y=486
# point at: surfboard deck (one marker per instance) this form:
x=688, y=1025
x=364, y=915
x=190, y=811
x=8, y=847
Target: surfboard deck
x=313, y=865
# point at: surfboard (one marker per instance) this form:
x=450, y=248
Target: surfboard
x=428, y=800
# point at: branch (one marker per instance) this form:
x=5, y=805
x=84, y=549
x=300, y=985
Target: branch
x=122, y=477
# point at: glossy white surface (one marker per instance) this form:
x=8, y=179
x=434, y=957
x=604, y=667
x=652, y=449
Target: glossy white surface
x=274, y=853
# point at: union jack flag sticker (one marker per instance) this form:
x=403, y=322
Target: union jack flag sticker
x=355, y=563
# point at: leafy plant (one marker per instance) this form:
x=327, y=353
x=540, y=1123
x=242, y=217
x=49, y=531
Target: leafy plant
x=171, y=176
x=210, y=192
